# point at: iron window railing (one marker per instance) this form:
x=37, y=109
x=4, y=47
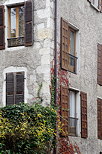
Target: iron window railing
x=72, y=126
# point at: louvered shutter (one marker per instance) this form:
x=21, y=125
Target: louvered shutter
x=64, y=44
x=99, y=64
x=64, y=110
x=9, y=88
x=28, y=23
x=2, y=34
x=100, y=5
x=84, y=132
x=19, y=90
x=99, y=118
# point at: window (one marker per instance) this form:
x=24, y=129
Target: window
x=19, y=26
x=16, y=26
x=72, y=114
x=14, y=88
x=68, y=47
x=97, y=4
x=99, y=118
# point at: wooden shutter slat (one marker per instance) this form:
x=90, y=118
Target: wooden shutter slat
x=9, y=89
x=99, y=64
x=29, y=23
x=99, y=118
x=2, y=28
x=19, y=96
x=84, y=132
x=64, y=44
x=64, y=110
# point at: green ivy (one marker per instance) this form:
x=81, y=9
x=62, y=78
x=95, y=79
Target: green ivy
x=26, y=129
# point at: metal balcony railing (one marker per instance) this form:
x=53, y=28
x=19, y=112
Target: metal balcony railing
x=72, y=126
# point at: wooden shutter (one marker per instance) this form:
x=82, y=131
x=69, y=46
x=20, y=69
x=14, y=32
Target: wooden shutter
x=99, y=64
x=2, y=34
x=9, y=88
x=100, y=5
x=28, y=23
x=84, y=132
x=64, y=44
x=99, y=118
x=19, y=94
x=64, y=110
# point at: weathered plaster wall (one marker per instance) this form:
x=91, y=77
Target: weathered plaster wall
x=89, y=22
x=36, y=59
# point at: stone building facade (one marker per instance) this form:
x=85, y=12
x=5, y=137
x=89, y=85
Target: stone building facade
x=65, y=36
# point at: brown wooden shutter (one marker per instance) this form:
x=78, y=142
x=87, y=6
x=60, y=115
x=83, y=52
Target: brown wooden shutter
x=19, y=92
x=99, y=118
x=84, y=132
x=29, y=23
x=64, y=44
x=100, y=5
x=99, y=64
x=9, y=88
x=2, y=34
x=64, y=110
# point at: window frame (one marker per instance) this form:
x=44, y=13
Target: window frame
x=17, y=20
x=18, y=40
x=66, y=57
x=76, y=118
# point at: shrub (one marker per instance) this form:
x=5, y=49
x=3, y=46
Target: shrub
x=26, y=129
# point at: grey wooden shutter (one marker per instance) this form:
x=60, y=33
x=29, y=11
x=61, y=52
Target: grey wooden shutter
x=9, y=89
x=99, y=64
x=19, y=87
x=99, y=118
x=64, y=44
x=29, y=23
x=64, y=110
x=84, y=131
x=2, y=34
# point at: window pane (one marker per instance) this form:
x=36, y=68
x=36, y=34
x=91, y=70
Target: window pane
x=13, y=22
x=72, y=104
x=72, y=43
x=21, y=21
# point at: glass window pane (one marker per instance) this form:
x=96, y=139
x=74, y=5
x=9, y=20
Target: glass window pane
x=21, y=21
x=72, y=104
x=13, y=22
x=72, y=50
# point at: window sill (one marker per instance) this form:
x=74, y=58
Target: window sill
x=14, y=48
x=15, y=42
